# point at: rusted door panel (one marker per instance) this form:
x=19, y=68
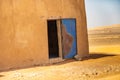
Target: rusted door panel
x=69, y=38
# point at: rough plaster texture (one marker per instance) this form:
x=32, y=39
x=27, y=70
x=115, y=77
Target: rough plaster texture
x=23, y=29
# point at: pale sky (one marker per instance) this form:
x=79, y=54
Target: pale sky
x=102, y=12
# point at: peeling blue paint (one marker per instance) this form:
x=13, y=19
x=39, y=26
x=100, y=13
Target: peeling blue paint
x=70, y=25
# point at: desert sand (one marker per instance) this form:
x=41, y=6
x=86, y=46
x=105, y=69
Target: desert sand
x=98, y=67
x=102, y=64
x=105, y=39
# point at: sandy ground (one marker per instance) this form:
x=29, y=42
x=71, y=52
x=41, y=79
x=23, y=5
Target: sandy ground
x=106, y=40
x=102, y=64
x=97, y=67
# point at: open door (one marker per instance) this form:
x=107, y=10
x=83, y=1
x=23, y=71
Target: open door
x=69, y=44
x=53, y=39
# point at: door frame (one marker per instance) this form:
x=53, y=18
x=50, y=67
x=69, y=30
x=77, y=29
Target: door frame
x=59, y=30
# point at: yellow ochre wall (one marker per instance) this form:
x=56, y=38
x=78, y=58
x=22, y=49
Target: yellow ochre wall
x=23, y=30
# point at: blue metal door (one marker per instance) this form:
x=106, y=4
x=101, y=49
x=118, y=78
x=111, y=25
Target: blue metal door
x=69, y=38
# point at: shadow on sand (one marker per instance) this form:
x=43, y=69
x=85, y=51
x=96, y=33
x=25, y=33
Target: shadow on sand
x=91, y=56
x=1, y=75
x=98, y=55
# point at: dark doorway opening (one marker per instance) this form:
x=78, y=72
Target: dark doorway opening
x=53, y=39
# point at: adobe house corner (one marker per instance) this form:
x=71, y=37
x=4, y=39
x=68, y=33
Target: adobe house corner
x=34, y=32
